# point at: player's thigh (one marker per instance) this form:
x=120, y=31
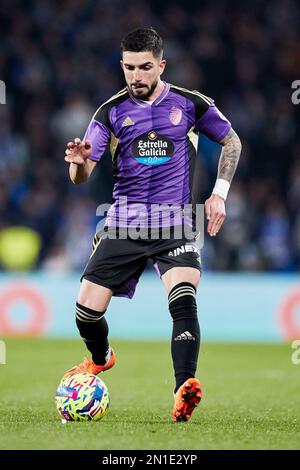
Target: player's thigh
x=180, y=274
x=94, y=296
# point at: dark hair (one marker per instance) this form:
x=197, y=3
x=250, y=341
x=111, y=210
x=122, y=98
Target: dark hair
x=143, y=39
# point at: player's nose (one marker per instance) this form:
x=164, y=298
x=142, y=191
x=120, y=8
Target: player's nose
x=137, y=77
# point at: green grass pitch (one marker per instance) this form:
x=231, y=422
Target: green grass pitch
x=251, y=398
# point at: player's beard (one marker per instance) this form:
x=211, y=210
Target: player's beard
x=144, y=95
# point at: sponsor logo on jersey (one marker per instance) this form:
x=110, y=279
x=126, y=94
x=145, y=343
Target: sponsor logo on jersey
x=152, y=135
x=152, y=148
x=175, y=115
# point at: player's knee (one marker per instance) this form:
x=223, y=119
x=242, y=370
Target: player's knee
x=196, y=278
x=182, y=301
x=90, y=322
x=93, y=296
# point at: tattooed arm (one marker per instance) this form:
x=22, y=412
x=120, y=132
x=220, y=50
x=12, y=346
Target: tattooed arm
x=215, y=205
x=229, y=156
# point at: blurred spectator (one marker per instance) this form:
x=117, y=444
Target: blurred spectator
x=275, y=236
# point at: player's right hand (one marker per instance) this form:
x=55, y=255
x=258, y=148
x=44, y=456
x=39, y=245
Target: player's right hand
x=77, y=151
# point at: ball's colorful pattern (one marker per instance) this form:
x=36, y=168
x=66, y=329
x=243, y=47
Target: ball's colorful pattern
x=82, y=397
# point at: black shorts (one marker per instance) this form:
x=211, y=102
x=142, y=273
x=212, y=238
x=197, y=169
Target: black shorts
x=118, y=264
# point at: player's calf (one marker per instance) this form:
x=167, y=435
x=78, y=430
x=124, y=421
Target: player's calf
x=186, y=331
x=93, y=329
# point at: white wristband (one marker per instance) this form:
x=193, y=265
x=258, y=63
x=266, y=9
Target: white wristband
x=221, y=188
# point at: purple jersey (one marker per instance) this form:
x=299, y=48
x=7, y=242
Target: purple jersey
x=154, y=146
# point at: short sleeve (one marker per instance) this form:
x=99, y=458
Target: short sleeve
x=213, y=124
x=99, y=135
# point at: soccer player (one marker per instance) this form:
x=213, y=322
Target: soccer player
x=152, y=128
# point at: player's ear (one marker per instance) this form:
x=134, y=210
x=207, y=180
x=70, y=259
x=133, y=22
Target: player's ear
x=162, y=65
x=122, y=65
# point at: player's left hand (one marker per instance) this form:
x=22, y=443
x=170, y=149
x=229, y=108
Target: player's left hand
x=215, y=213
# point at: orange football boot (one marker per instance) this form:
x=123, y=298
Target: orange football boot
x=187, y=397
x=88, y=365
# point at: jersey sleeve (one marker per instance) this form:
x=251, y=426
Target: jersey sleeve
x=98, y=133
x=213, y=124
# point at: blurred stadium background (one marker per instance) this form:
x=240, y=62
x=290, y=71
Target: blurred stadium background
x=60, y=61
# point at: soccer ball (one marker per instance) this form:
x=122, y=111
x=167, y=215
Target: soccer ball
x=82, y=397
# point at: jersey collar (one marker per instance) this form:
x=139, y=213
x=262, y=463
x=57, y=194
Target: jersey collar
x=156, y=102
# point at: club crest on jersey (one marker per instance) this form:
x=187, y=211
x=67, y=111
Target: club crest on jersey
x=152, y=148
x=175, y=115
